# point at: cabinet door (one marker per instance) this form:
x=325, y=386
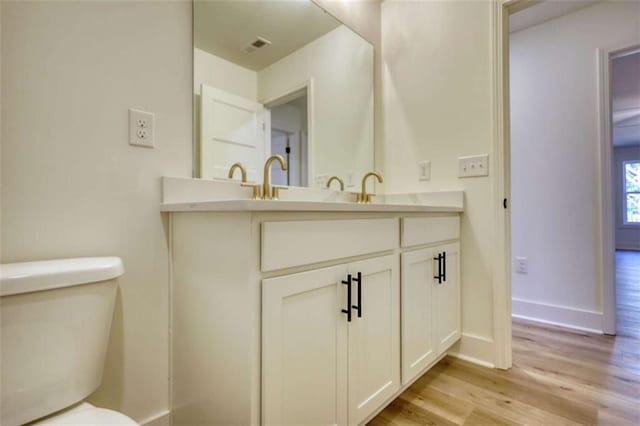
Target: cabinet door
x=447, y=297
x=374, y=337
x=418, y=344
x=304, y=349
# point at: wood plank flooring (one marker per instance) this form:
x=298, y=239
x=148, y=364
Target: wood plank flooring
x=559, y=376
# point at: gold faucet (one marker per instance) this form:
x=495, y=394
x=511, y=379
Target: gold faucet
x=332, y=178
x=243, y=171
x=363, y=197
x=269, y=193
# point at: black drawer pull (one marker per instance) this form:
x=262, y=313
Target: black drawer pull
x=348, y=310
x=444, y=266
x=358, y=307
x=439, y=276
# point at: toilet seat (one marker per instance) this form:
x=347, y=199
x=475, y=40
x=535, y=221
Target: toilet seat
x=87, y=415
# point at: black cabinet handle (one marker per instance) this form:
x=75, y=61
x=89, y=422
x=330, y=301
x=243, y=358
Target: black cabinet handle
x=439, y=276
x=358, y=307
x=348, y=310
x=444, y=266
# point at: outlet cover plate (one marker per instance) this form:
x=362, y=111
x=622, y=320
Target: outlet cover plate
x=522, y=265
x=141, y=128
x=321, y=180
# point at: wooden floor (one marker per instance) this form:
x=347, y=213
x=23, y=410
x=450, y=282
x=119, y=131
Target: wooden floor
x=559, y=376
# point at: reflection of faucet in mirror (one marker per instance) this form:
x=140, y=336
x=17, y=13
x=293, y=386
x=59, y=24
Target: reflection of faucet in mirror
x=332, y=178
x=363, y=197
x=269, y=193
x=243, y=171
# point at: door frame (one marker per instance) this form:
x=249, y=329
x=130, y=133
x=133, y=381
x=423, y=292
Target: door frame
x=283, y=97
x=607, y=208
x=501, y=178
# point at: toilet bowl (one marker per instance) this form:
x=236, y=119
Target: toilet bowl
x=55, y=319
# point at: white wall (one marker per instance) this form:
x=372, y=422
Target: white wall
x=341, y=128
x=627, y=237
x=436, y=59
x=555, y=145
x=72, y=184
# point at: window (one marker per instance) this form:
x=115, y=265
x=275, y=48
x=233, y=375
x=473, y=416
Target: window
x=631, y=192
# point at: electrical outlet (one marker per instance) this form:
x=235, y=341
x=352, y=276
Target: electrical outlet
x=321, y=180
x=424, y=170
x=140, y=128
x=522, y=265
x=473, y=166
x=350, y=179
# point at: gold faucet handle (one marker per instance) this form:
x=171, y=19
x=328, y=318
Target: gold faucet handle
x=275, y=191
x=256, y=195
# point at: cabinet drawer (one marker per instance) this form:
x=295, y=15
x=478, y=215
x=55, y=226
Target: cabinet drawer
x=427, y=230
x=289, y=244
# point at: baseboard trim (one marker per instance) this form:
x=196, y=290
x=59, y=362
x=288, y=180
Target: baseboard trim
x=577, y=319
x=160, y=419
x=476, y=349
x=627, y=247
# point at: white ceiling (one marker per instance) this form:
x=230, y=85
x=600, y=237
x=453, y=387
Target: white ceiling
x=625, y=99
x=544, y=11
x=226, y=27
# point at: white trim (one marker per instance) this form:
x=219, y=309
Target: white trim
x=578, y=319
x=606, y=207
x=607, y=223
x=160, y=419
x=501, y=263
x=627, y=247
x=476, y=349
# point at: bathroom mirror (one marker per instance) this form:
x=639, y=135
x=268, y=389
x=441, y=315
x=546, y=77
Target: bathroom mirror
x=280, y=77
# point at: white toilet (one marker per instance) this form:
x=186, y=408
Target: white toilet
x=55, y=323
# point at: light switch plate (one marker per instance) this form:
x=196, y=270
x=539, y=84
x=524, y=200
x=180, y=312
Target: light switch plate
x=473, y=166
x=424, y=170
x=141, y=128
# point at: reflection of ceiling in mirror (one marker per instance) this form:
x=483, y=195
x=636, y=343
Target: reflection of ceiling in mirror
x=225, y=28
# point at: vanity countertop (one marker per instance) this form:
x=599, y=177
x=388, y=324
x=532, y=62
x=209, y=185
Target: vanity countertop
x=306, y=206
x=192, y=195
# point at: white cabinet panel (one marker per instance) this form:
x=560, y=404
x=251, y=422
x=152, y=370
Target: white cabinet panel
x=429, y=230
x=447, y=298
x=418, y=343
x=294, y=243
x=304, y=349
x=374, y=338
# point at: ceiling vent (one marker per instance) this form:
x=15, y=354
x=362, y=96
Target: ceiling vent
x=256, y=44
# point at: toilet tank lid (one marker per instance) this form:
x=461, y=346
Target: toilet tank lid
x=27, y=277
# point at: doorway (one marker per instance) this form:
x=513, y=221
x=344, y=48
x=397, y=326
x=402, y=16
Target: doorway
x=289, y=129
x=585, y=310
x=624, y=143
x=290, y=124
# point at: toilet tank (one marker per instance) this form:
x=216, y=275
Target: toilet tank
x=55, y=319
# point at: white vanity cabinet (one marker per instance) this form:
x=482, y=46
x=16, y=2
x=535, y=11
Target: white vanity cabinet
x=323, y=363
x=431, y=302
x=260, y=330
